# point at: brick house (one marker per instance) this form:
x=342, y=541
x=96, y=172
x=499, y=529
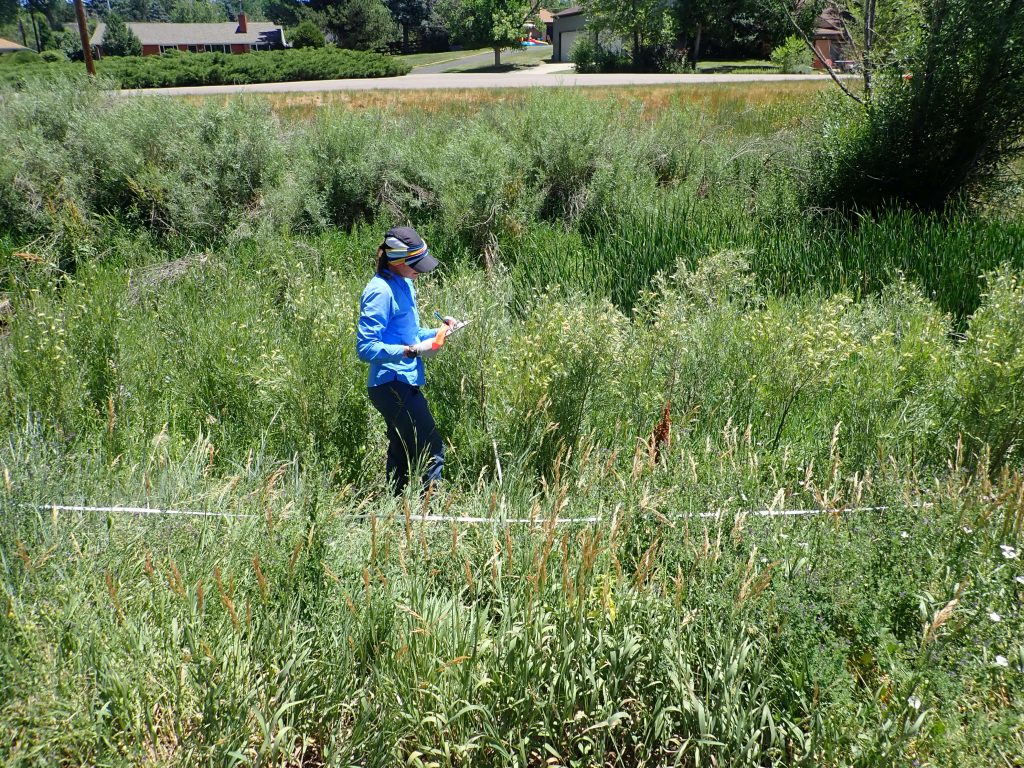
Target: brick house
x=224, y=37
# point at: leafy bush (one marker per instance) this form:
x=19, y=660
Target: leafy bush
x=167, y=340
x=590, y=57
x=793, y=56
x=307, y=35
x=326, y=63
x=177, y=68
x=584, y=54
x=19, y=58
x=989, y=390
x=53, y=56
x=940, y=124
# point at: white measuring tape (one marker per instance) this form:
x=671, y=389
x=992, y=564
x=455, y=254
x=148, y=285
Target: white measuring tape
x=195, y=513
x=134, y=510
x=466, y=519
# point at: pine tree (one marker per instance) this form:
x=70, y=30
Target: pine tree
x=119, y=40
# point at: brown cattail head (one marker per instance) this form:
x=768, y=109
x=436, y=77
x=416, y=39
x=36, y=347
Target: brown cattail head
x=662, y=432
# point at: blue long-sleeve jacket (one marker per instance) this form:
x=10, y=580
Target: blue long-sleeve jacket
x=388, y=322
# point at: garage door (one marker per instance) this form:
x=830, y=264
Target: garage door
x=566, y=40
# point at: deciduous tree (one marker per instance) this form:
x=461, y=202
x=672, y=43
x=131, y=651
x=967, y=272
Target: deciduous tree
x=641, y=24
x=497, y=24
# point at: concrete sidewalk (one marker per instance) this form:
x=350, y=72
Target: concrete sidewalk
x=525, y=79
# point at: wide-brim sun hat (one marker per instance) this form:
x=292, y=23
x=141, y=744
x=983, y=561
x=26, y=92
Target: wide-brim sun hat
x=403, y=245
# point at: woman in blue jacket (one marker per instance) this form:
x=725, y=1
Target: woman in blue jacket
x=387, y=338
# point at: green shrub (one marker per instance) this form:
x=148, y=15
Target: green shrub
x=940, y=124
x=178, y=69
x=589, y=57
x=792, y=57
x=584, y=54
x=989, y=392
x=53, y=56
x=19, y=59
x=307, y=35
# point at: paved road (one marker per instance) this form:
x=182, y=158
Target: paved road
x=477, y=60
x=521, y=79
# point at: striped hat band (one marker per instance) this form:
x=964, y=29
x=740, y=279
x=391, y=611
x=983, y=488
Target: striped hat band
x=400, y=253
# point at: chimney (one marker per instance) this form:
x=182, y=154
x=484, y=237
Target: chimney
x=243, y=27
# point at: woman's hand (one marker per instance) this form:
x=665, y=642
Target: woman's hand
x=410, y=352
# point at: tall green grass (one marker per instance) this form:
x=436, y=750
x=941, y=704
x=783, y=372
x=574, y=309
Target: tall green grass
x=309, y=633
x=177, y=330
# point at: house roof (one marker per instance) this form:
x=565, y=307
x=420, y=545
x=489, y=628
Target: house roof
x=223, y=33
x=575, y=10
x=545, y=15
x=829, y=23
x=9, y=46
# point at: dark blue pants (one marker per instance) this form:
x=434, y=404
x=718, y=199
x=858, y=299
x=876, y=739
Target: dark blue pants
x=412, y=433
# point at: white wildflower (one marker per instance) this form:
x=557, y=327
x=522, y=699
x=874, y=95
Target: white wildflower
x=1001, y=661
x=994, y=616
x=1019, y=579
x=904, y=535
x=1009, y=552
x=914, y=702
x=968, y=530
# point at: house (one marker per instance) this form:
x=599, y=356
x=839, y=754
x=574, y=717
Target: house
x=9, y=46
x=225, y=37
x=547, y=20
x=831, y=40
x=566, y=28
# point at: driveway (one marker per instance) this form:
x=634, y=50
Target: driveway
x=520, y=79
x=476, y=60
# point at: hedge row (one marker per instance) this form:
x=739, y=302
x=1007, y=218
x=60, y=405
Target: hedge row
x=177, y=68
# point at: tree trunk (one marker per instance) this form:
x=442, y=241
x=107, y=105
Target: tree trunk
x=35, y=31
x=497, y=56
x=21, y=28
x=405, y=38
x=696, y=44
x=869, y=42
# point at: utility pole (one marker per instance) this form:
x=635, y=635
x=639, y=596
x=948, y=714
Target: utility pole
x=83, y=32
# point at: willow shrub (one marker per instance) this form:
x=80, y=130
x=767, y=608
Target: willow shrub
x=941, y=124
x=602, y=212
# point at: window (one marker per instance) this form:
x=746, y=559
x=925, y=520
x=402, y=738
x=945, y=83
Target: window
x=219, y=48
x=259, y=47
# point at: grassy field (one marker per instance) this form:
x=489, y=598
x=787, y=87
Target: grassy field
x=764, y=106
x=178, y=298
x=737, y=65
